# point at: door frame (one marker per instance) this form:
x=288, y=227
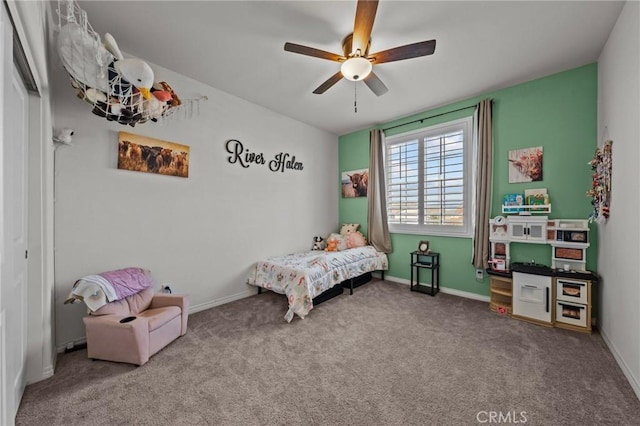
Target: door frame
x=33, y=30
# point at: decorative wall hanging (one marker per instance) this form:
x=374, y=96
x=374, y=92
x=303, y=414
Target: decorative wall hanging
x=600, y=191
x=143, y=154
x=119, y=89
x=244, y=157
x=525, y=165
x=355, y=183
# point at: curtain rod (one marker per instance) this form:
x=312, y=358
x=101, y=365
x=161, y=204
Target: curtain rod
x=426, y=118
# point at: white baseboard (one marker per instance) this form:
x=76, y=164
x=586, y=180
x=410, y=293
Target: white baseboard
x=216, y=302
x=70, y=345
x=633, y=381
x=446, y=290
x=47, y=372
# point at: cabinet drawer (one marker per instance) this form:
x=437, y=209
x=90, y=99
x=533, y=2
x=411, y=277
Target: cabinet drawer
x=571, y=313
x=575, y=291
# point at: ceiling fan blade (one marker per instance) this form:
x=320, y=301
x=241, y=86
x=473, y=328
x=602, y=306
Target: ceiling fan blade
x=363, y=24
x=375, y=84
x=408, y=51
x=327, y=84
x=310, y=51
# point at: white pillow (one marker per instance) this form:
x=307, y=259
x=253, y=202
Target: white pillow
x=349, y=227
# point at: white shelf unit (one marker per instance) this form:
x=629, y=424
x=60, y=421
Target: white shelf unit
x=499, y=240
x=569, y=239
x=526, y=209
x=530, y=229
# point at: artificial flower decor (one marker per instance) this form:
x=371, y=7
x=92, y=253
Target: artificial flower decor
x=600, y=191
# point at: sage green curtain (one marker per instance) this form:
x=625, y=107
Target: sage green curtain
x=483, y=185
x=377, y=226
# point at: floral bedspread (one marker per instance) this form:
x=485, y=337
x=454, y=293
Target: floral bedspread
x=303, y=276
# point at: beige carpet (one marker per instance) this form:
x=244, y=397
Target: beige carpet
x=384, y=356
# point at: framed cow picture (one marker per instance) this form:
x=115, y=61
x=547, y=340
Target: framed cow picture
x=355, y=183
x=149, y=155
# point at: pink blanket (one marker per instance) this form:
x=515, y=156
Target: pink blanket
x=128, y=281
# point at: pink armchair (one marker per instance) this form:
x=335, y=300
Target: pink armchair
x=136, y=327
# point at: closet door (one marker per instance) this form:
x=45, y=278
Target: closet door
x=14, y=225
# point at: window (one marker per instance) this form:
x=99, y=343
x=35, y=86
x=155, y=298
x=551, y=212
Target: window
x=428, y=180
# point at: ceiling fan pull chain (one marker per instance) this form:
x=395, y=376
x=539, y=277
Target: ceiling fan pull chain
x=355, y=97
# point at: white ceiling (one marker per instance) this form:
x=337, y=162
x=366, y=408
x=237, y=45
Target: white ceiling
x=237, y=47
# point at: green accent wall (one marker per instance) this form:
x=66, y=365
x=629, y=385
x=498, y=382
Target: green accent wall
x=558, y=112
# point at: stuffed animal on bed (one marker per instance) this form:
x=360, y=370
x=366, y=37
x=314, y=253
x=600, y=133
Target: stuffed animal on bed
x=356, y=239
x=332, y=245
x=318, y=243
x=340, y=239
x=348, y=228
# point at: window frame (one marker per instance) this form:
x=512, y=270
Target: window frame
x=466, y=125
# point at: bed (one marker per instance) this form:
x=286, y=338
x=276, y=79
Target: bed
x=306, y=275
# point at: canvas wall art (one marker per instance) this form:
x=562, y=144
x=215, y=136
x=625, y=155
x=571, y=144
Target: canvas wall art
x=525, y=165
x=355, y=183
x=143, y=154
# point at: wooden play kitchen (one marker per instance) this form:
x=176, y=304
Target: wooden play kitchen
x=567, y=304
x=559, y=295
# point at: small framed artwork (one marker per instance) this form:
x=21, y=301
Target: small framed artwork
x=525, y=165
x=423, y=247
x=355, y=183
x=149, y=155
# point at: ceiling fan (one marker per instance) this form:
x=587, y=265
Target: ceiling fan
x=356, y=61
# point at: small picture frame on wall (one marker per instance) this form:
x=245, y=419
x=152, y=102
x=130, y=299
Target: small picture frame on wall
x=525, y=165
x=355, y=183
x=423, y=247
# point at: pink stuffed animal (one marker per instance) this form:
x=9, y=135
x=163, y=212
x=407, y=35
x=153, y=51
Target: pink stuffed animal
x=356, y=239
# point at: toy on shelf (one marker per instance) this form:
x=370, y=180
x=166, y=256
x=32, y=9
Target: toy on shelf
x=512, y=203
x=534, y=201
x=537, y=197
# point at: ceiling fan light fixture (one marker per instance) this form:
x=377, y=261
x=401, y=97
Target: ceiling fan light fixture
x=356, y=68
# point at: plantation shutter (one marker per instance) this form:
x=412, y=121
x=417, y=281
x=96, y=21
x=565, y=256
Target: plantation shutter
x=403, y=182
x=427, y=186
x=444, y=183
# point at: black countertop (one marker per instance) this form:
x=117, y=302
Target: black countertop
x=532, y=268
x=580, y=275
x=539, y=269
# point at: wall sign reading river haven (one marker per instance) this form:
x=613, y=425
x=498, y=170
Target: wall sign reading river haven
x=242, y=156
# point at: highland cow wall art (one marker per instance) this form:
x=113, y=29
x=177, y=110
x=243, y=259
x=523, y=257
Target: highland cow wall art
x=143, y=154
x=525, y=165
x=355, y=183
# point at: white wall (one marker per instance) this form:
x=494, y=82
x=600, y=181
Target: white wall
x=619, y=241
x=202, y=233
